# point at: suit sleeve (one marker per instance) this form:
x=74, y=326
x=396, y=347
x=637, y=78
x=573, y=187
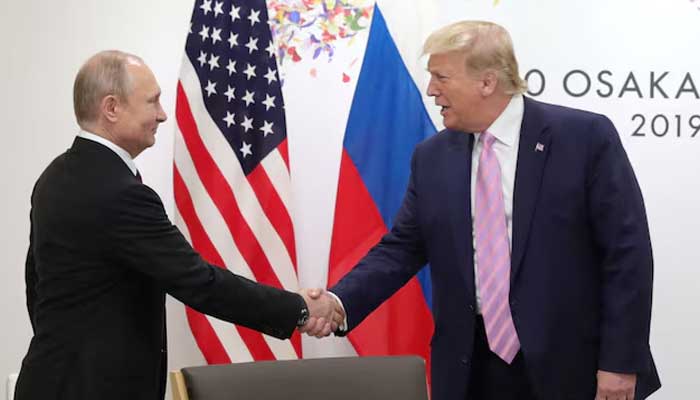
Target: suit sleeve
x=143, y=238
x=388, y=266
x=619, y=222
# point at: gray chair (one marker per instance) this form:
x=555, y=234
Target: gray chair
x=347, y=378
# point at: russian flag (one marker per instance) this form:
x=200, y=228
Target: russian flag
x=386, y=120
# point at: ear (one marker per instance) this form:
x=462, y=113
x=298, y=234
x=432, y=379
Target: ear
x=489, y=83
x=109, y=108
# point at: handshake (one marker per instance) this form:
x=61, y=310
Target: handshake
x=326, y=314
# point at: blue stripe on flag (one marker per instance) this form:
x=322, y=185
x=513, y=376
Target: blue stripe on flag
x=386, y=121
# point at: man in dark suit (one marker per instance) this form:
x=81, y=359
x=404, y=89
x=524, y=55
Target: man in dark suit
x=534, y=226
x=103, y=254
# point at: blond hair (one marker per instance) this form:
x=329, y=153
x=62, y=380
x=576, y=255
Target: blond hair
x=487, y=46
x=103, y=74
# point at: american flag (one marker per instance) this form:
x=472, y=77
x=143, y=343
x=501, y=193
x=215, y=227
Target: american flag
x=231, y=167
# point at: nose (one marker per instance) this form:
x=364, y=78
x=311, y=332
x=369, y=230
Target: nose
x=161, y=116
x=432, y=90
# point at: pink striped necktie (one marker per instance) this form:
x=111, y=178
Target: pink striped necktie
x=493, y=254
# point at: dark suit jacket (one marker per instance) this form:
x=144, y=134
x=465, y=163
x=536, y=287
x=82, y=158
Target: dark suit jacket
x=581, y=272
x=102, y=256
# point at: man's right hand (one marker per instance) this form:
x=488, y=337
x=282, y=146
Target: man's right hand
x=325, y=314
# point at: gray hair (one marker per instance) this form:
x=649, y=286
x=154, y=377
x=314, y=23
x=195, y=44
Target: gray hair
x=487, y=46
x=103, y=74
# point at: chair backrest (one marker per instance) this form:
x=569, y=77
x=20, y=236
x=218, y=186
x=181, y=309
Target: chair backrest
x=10, y=386
x=347, y=378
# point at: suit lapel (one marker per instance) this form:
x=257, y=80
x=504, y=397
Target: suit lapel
x=533, y=151
x=459, y=202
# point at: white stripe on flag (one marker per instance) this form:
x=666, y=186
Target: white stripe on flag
x=207, y=211
x=231, y=341
x=282, y=349
x=179, y=222
x=277, y=171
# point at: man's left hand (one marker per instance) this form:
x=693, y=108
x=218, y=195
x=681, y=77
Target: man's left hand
x=614, y=386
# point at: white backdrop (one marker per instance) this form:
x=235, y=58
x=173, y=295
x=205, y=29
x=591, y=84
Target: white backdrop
x=44, y=43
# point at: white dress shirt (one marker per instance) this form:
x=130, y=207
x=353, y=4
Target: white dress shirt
x=123, y=154
x=506, y=130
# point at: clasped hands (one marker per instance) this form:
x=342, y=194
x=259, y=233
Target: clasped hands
x=325, y=313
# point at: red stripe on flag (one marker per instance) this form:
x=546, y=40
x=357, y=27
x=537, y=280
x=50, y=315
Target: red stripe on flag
x=391, y=329
x=279, y=217
x=198, y=236
x=206, y=338
x=204, y=334
x=222, y=195
x=274, y=208
x=357, y=225
x=393, y=318
x=296, y=343
x=283, y=148
x=276, y=212
x=256, y=344
x=208, y=342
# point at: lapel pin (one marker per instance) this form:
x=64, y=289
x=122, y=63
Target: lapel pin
x=539, y=147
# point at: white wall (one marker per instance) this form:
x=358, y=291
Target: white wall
x=44, y=43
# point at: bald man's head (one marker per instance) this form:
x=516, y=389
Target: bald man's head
x=103, y=74
x=116, y=96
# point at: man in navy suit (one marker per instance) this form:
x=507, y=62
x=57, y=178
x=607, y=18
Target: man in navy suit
x=533, y=223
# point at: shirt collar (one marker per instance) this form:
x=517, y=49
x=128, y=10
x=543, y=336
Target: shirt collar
x=123, y=154
x=507, y=126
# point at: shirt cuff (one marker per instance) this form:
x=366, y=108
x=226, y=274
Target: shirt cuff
x=344, y=326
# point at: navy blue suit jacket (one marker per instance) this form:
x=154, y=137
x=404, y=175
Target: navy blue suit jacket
x=581, y=272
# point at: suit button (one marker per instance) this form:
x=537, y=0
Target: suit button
x=464, y=361
x=471, y=307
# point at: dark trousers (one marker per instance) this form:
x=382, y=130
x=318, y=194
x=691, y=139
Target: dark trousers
x=491, y=378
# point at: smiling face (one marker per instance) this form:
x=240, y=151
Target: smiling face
x=461, y=95
x=136, y=118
